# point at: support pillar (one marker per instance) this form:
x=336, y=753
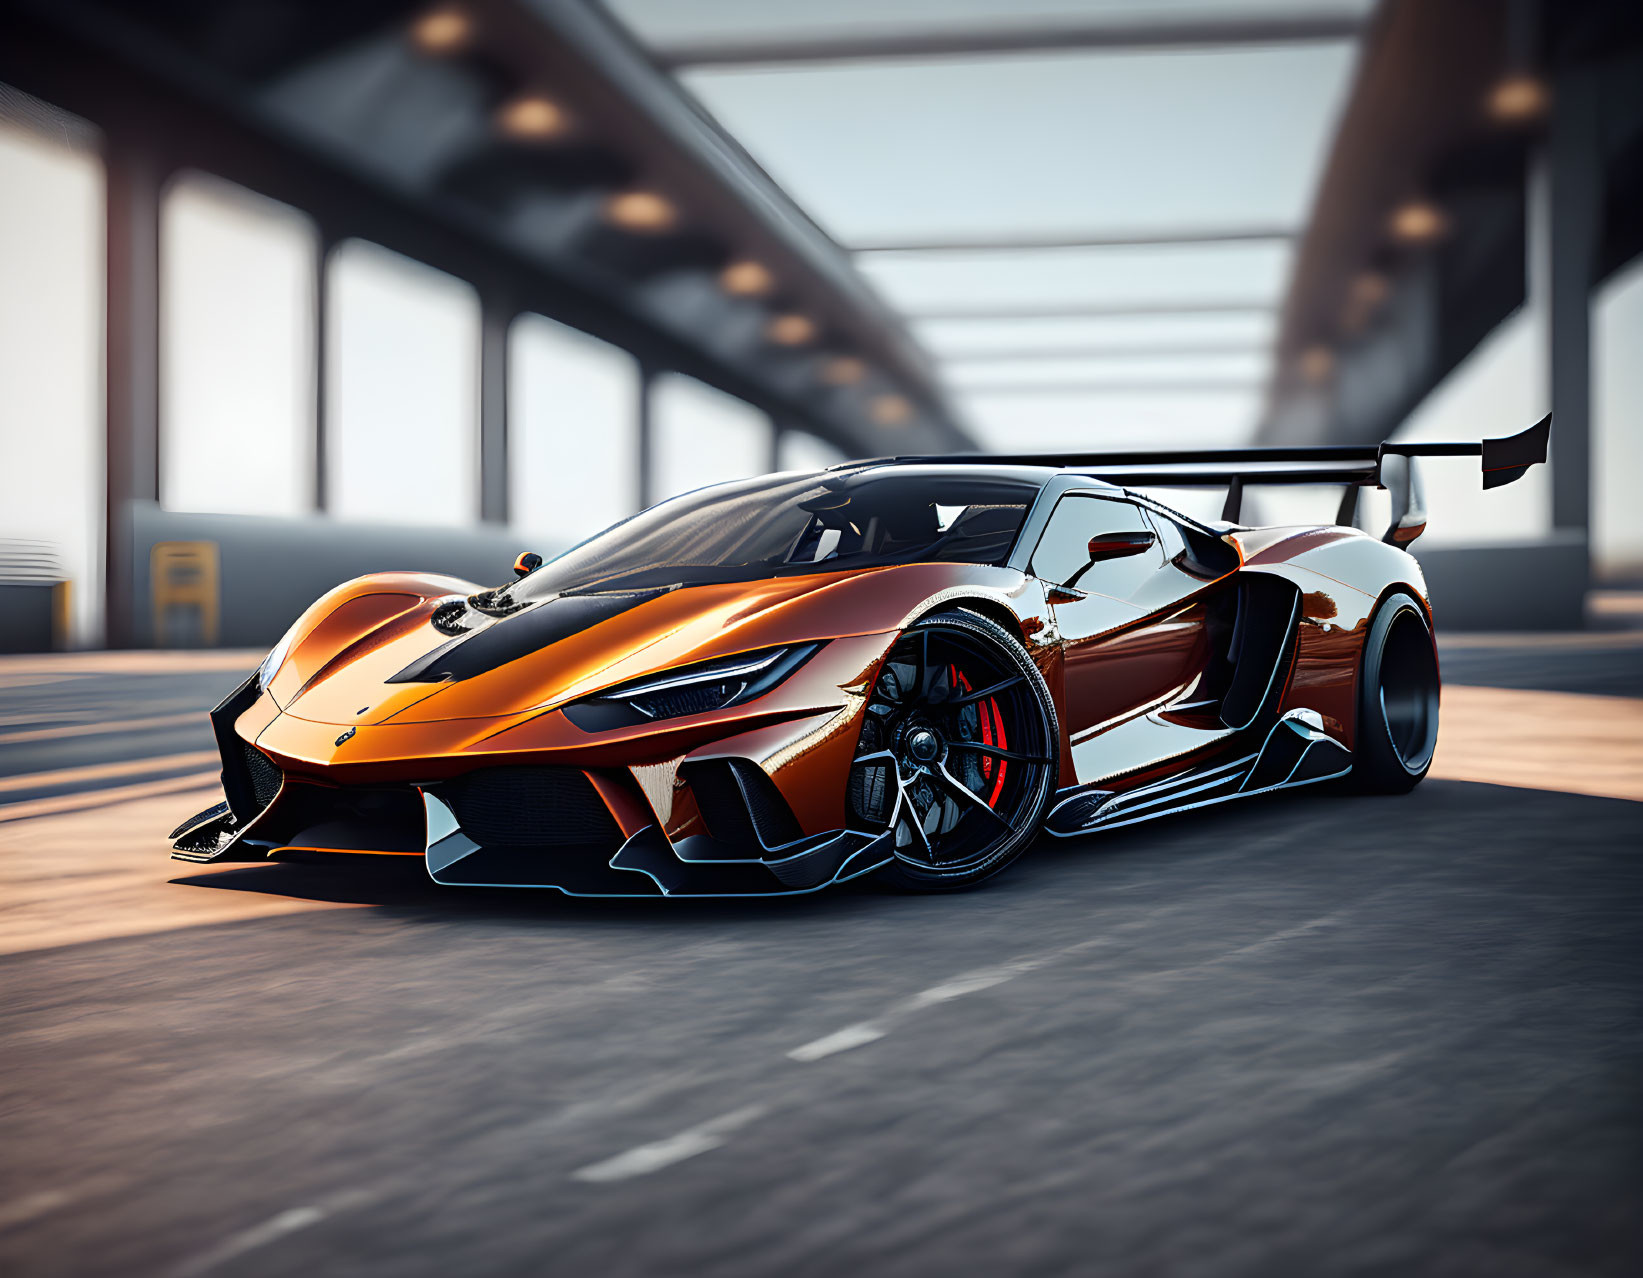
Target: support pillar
x=322, y=371
x=774, y=461
x=644, y=488
x=1565, y=203
x=494, y=321
x=133, y=372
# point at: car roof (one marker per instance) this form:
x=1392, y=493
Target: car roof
x=934, y=467
x=980, y=466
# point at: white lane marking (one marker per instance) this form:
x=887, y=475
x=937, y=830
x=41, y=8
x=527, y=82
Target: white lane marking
x=968, y=983
x=984, y=978
x=22, y=1210
x=1278, y=938
x=645, y=1159
x=870, y=1031
x=1253, y=947
x=838, y=1041
x=271, y=1230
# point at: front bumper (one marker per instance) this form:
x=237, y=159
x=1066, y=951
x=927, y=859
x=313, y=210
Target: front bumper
x=748, y=804
x=583, y=851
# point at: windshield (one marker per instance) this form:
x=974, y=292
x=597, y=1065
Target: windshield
x=793, y=523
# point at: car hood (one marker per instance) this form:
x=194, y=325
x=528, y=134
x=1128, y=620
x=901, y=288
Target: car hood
x=404, y=669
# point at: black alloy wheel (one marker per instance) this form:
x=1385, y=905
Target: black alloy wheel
x=958, y=753
x=1398, y=690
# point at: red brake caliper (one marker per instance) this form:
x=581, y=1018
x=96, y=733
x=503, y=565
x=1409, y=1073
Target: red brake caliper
x=992, y=733
x=987, y=738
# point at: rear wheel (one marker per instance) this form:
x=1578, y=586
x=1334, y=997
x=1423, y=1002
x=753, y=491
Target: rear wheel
x=958, y=753
x=1397, y=699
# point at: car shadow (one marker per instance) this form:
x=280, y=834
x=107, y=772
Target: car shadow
x=401, y=885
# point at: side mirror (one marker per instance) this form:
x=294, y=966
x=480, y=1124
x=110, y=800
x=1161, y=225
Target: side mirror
x=527, y=563
x=1119, y=545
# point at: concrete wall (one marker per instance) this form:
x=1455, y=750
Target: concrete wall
x=1529, y=585
x=26, y=617
x=271, y=569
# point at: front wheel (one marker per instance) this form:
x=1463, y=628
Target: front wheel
x=1397, y=699
x=958, y=753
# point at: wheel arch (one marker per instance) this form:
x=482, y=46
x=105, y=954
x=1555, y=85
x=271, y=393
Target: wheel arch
x=988, y=606
x=1417, y=592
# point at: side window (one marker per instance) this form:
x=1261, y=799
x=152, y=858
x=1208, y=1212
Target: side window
x=1064, y=548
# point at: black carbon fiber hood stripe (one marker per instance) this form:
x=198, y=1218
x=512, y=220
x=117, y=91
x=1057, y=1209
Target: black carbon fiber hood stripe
x=518, y=636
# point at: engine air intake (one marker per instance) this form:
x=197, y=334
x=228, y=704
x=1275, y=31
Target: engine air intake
x=740, y=804
x=263, y=773
x=529, y=807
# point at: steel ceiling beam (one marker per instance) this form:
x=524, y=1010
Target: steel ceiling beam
x=1003, y=355
x=1147, y=386
x=1136, y=238
x=1088, y=310
x=1325, y=25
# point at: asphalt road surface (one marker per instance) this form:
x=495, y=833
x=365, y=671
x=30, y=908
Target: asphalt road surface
x=1313, y=1034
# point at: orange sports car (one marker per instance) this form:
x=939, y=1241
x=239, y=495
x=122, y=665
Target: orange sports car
x=904, y=667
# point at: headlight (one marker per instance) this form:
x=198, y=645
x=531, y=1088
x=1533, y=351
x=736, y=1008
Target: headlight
x=275, y=659
x=710, y=685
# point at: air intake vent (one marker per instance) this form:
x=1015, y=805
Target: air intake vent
x=530, y=807
x=495, y=603
x=740, y=804
x=447, y=618
x=264, y=774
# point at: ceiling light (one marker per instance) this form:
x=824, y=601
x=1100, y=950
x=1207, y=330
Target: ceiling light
x=442, y=30
x=1368, y=291
x=532, y=117
x=746, y=278
x=641, y=211
x=1371, y=288
x=1519, y=98
x=791, y=330
x=1418, y=222
x=891, y=410
x=1317, y=362
x=845, y=370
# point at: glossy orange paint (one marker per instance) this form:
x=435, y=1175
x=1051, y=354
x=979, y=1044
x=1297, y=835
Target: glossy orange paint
x=1136, y=666
x=316, y=644
x=803, y=732
x=1327, y=653
x=333, y=716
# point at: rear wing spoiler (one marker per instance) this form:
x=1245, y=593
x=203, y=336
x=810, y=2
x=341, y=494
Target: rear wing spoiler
x=1390, y=465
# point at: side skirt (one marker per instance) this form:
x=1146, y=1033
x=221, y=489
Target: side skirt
x=1296, y=752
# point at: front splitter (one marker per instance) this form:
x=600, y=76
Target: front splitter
x=649, y=864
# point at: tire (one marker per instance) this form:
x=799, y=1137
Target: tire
x=962, y=780
x=1398, y=694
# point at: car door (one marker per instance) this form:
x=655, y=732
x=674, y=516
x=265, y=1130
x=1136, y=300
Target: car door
x=1131, y=637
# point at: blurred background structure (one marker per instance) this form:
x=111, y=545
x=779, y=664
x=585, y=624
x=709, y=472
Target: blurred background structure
x=292, y=291
x=295, y=291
